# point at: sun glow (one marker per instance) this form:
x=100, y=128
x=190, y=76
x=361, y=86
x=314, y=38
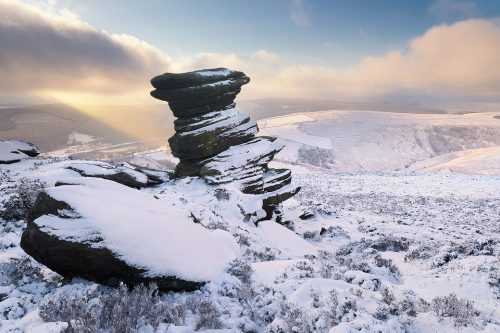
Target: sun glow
x=124, y=112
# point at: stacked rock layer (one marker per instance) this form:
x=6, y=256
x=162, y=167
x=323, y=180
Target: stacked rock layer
x=214, y=140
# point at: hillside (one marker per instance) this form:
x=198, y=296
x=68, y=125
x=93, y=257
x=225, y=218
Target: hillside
x=51, y=126
x=379, y=141
x=380, y=251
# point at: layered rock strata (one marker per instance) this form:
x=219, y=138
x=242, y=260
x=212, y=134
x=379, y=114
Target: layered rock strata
x=215, y=141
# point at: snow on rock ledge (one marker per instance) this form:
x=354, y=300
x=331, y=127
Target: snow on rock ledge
x=12, y=151
x=106, y=232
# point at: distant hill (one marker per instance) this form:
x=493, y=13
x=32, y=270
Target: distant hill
x=272, y=107
x=50, y=126
x=379, y=141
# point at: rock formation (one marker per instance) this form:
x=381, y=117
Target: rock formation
x=215, y=141
x=107, y=232
x=125, y=174
x=13, y=151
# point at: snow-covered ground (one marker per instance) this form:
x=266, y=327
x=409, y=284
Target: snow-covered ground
x=396, y=229
x=379, y=141
x=376, y=256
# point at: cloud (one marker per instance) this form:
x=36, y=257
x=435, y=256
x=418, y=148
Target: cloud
x=459, y=59
x=444, y=9
x=300, y=13
x=43, y=50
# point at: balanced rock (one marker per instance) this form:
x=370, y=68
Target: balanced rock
x=215, y=141
x=106, y=232
x=12, y=151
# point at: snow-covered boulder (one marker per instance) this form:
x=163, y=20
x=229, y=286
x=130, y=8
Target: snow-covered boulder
x=12, y=151
x=125, y=174
x=106, y=232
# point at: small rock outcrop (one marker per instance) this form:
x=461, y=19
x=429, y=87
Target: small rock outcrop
x=215, y=141
x=107, y=232
x=127, y=174
x=13, y=151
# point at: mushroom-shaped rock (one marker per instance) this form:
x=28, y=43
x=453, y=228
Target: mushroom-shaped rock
x=214, y=140
x=106, y=232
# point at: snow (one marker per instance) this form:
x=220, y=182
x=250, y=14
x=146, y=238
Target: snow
x=106, y=169
x=226, y=122
x=10, y=151
x=214, y=72
x=284, y=239
x=266, y=272
x=76, y=138
x=145, y=232
x=381, y=141
x=443, y=204
x=482, y=161
x=244, y=157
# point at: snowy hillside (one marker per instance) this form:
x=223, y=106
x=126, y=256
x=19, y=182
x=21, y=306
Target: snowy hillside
x=483, y=161
x=375, y=252
x=378, y=141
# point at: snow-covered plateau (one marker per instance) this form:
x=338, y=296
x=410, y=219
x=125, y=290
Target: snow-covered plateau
x=379, y=239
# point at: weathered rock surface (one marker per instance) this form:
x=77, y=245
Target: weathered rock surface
x=107, y=232
x=121, y=174
x=13, y=151
x=217, y=142
x=126, y=174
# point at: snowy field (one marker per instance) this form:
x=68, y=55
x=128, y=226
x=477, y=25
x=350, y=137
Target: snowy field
x=379, y=141
x=396, y=229
x=380, y=252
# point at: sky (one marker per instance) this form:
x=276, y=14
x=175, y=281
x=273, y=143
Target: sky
x=106, y=51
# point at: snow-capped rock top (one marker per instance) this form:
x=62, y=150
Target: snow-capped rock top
x=12, y=151
x=144, y=232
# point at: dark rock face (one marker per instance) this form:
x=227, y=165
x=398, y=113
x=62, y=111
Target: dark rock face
x=217, y=142
x=84, y=259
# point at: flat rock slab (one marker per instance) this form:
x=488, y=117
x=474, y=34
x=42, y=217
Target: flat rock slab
x=121, y=174
x=106, y=232
x=199, y=77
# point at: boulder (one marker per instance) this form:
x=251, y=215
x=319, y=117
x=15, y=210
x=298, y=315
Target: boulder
x=13, y=151
x=107, y=232
x=120, y=174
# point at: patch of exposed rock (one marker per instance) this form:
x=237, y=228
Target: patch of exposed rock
x=125, y=174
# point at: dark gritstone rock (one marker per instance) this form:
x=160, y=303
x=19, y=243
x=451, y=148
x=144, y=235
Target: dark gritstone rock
x=212, y=139
x=77, y=259
x=123, y=175
x=217, y=142
x=74, y=245
x=189, y=79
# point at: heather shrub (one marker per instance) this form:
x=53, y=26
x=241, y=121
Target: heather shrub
x=90, y=309
x=20, y=198
x=461, y=310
